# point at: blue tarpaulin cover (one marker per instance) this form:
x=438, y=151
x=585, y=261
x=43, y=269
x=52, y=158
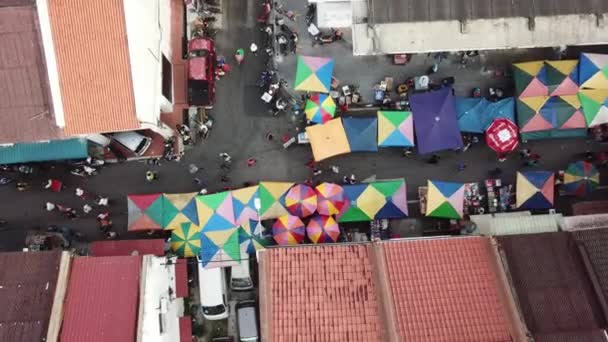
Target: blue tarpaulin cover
x=76, y=148
x=435, y=121
x=362, y=133
x=476, y=114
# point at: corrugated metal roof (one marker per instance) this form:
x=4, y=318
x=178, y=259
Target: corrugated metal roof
x=590, y=207
x=26, y=112
x=594, y=243
x=181, y=278
x=93, y=65
x=77, y=148
x=554, y=293
x=446, y=290
x=27, y=290
x=128, y=247
x=393, y=11
x=512, y=225
x=102, y=300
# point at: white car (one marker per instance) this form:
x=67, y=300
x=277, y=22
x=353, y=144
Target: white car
x=212, y=287
x=247, y=321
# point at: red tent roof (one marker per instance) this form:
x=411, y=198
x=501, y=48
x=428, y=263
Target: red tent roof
x=185, y=329
x=181, y=278
x=128, y=247
x=102, y=300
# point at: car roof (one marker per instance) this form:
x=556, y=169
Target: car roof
x=247, y=322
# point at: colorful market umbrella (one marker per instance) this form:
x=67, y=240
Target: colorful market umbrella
x=330, y=198
x=593, y=71
x=245, y=202
x=271, y=196
x=395, y=129
x=361, y=133
x=216, y=211
x=178, y=209
x=328, y=140
x=220, y=248
x=322, y=229
x=288, y=230
x=595, y=106
x=581, y=178
x=545, y=113
x=546, y=78
x=320, y=108
x=186, y=240
x=301, y=200
x=530, y=79
x=501, y=136
x=377, y=200
x=445, y=199
x=314, y=74
x=252, y=237
x=534, y=189
x=145, y=211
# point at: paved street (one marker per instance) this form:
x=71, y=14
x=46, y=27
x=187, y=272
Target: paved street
x=242, y=122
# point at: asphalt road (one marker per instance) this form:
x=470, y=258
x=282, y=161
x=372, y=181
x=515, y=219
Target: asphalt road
x=242, y=122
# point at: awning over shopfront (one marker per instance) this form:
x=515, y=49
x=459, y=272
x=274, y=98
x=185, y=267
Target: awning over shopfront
x=76, y=148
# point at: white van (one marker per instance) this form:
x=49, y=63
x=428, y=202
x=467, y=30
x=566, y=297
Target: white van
x=214, y=297
x=133, y=141
x=240, y=278
x=247, y=321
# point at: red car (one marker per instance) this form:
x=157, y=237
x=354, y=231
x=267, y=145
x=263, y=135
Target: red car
x=201, y=72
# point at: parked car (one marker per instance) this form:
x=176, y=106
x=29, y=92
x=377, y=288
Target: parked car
x=133, y=141
x=247, y=321
x=240, y=277
x=213, y=293
x=201, y=72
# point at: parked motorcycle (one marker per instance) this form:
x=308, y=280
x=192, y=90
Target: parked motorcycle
x=5, y=180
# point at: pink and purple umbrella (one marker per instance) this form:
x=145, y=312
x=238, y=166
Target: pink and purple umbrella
x=301, y=200
x=322, y=229
x=330, y=199
x=288, y=230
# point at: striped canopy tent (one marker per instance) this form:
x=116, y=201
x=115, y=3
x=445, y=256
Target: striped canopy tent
x=220, y=248
x=216, y=211
x=322, y=229
x=376, y=200
x=330, y=198
x=534, y=189
x=314, y=74
x=145, y=211
x=320, y=108
x=445, y=199
x=288, y=230
x=395, y=129
x=272, y=196
x=581, y=178
x=178, y=209
x=595, y=106
x=186, y=240
x=301, y=200
x=593, y=71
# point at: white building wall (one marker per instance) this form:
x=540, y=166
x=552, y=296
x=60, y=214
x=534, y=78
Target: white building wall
x=158, y=302
x=148, y=24
x=482, y=34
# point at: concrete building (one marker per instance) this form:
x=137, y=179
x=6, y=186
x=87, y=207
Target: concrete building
x=420, y=26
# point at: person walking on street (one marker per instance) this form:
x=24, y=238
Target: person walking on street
x=525, y=153
x=254, y=49
x=87, y=208
x=80, y=193
x=151, y=176
x=226, y=157
x=461, y=166
x=335, y=169
x=251, y=162
x=102, y=201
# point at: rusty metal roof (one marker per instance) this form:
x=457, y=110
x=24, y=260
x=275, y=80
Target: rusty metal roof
x=26, y=113
x=27, y=289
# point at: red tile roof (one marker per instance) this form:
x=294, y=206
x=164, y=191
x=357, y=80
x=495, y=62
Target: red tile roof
x=27, y=291
x=319, y=293
x=446, y=290
x=555, y=295
x=185, y=329
x=93, y=64
x=181, y=278
x=26, y=113
x=102, y=300
x=128, y=247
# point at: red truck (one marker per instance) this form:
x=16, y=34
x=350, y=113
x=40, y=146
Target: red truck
x=201, y=72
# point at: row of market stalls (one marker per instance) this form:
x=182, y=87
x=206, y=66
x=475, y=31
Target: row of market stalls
x=553, y=99
x=219, y=227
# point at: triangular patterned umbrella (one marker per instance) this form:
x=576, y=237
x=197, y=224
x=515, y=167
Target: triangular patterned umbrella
x=593, y=71
x=186, y=240
x=288, y=230
x=581, y=178
x=252, y=237
x=145, y=211
x=377, y=200
x=595, y=106
x=216, y=211
x=330, y=198
x=445, y=199
x=271, y=196
x=534, y=189
x=220, y=248
x=320, y=108
x=178, y=209
x=395, y=129
x=322, y=229
x=314, y=74
x=301, y=200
